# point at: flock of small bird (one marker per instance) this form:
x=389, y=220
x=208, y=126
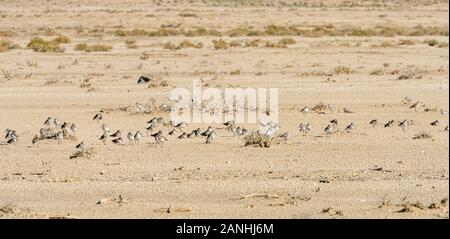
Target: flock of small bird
x=56, y=130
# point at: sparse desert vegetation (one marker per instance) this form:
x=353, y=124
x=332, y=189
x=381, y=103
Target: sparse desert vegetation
x=363, y=102
x=92, y=48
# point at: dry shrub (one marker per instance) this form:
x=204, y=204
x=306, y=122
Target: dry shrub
x=407, y=42
x=342, y=70
x=409, y=207
x=187, y=14
x=235, y=72
x=7, y=33
x=131, y=43
x=220, y=44
x=6, y=45
x=189, y=44
x=423, y=135
x=235, y=44
x=170, y=46
x=253, y=43
x=287, y=41
x=86, y=153
x=442, y=44
x=279, y=44
x=90, y=48
x=61, y=39
x=322, y=108
x=377, y=72
x=38, y=44
x=431, y=42
x=257, y=140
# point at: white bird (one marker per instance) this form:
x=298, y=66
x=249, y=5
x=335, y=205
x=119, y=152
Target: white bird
x=130, y=137
x=105, y=128
x=210, y=137
x=137, y=137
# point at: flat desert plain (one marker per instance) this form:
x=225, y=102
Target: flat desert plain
x=73, y=59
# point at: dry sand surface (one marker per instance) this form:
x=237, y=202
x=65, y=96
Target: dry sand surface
x=367, y=173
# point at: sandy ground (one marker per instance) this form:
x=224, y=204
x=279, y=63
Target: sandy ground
x=368, y=173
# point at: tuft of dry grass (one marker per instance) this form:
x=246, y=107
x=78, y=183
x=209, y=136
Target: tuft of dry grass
x=423, y=135
x=220, y=44
x=170, y=46
x=407, y=42
x=61, y=39
x=431, y=42
x=6, y=45
x=90, y=48
x=342, y=70
x=88, y=153
x=187, y=14
x=38, y=44
x=189, y=44
x=253, y=43
x=257, y=140
x=377, y=72
x=131, y=43
x=287, y=41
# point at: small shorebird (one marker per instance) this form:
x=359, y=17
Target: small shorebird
x=350, y=127
x=157, y=134
x=116, y=134
x=415, y=106
x=444, y=112
x=182, y=136
x=347, y=111
x=10, y=133
x=446, y=128
x=98, y=117
x=284, y=136
x=191, y=135
x=305, y=128
x=173, y=132
x=150, y=128
x=105, y=128
x=144, y=79
x=238, y=131
x=153, y=121
x=49, y=121
x=137, y=137
x=130, y=137
x=118, y=140
x=334, y=122
x=403, y=124
x=374, y=122
x=181, y=125
x=80, y=146
x=207, y=132
x=210, y=137
x=304, y=110
x=57, y=123
x=73, y=128
x=13, y=140
x=390, y=123
x=64, y=125
x=59, y=136
x=196, y=132
x=435, y=123
x=35, y=140
x=159, y=138
x=104, y=137
x=229, y=124
x=329, y=129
